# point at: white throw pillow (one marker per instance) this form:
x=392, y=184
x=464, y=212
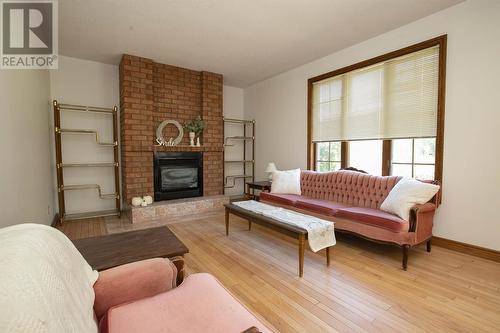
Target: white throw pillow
x=286, y=182
x=406, y=194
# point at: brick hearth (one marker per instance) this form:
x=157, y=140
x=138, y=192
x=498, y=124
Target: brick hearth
x=166, y=210
x=151, y=93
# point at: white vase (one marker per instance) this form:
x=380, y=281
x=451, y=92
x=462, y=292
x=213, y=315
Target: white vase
x=191, y=139
x=198, y=142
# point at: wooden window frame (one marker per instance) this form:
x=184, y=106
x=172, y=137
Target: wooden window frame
x=412, y=163
x=440, y=41
x=316, y=161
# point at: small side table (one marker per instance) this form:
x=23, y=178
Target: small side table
x=264, y=186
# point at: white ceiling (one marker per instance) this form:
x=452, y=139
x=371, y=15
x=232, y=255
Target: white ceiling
x=245, y=40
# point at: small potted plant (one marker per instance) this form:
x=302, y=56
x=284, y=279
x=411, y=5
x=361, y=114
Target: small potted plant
x=195, y=127
x=190, y=127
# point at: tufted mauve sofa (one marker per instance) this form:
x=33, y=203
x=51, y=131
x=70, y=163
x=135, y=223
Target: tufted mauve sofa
x=352, y=200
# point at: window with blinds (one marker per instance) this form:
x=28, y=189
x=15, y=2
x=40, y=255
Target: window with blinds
x=384, y=115
x=393, y=99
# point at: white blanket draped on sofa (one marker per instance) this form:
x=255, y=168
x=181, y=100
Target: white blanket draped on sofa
x=320, y=233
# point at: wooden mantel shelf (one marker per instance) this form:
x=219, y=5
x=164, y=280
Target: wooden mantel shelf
x=187, y=148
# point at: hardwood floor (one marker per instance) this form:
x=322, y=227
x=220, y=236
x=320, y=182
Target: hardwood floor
x=363, y=290
x=84, y=228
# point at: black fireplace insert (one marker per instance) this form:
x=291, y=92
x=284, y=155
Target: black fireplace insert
x=178, y=175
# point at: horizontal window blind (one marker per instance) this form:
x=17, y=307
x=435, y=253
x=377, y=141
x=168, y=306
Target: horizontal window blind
x=392, y=99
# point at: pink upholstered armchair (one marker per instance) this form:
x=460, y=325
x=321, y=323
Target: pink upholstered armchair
x=143, y=297
x=132, y=282
x=47, y=285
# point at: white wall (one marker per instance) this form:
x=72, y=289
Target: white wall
x=233, y=108
x=471, y=154
x=25, y=177
x=83, y=82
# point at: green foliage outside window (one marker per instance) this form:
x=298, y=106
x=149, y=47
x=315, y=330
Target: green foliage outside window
x=328, y=156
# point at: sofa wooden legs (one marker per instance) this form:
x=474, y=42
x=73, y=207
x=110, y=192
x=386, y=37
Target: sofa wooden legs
x=406, y=248
x=405, y=256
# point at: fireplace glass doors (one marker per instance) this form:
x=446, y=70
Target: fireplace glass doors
x=178, y=175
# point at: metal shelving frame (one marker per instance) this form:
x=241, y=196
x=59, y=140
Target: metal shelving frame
x=61, y=187
x=248, y=135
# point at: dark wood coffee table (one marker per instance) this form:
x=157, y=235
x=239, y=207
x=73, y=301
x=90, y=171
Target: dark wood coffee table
x=284, y=228
x=109, y=251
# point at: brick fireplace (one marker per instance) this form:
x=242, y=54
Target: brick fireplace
x=151, y=93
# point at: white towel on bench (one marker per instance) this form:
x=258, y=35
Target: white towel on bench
x=320, y=233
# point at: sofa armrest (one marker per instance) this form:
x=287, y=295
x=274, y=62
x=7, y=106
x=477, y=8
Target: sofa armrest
x=132, y=282
x=424, y=208
x=422, y=220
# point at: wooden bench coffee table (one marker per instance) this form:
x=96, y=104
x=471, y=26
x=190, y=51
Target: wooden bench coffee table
x=113, y=250
x=287, y=229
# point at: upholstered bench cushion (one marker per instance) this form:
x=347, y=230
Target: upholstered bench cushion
x=319, y=206
x=199, y=304
x=281, y=199
x=373, y=217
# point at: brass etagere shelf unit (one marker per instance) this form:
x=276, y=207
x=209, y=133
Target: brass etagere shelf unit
x=248, y=155
x=60, y=165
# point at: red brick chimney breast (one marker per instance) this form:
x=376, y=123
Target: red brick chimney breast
x=151, y=93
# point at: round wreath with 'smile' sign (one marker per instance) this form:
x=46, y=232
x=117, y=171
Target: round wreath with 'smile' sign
x=159, y=133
